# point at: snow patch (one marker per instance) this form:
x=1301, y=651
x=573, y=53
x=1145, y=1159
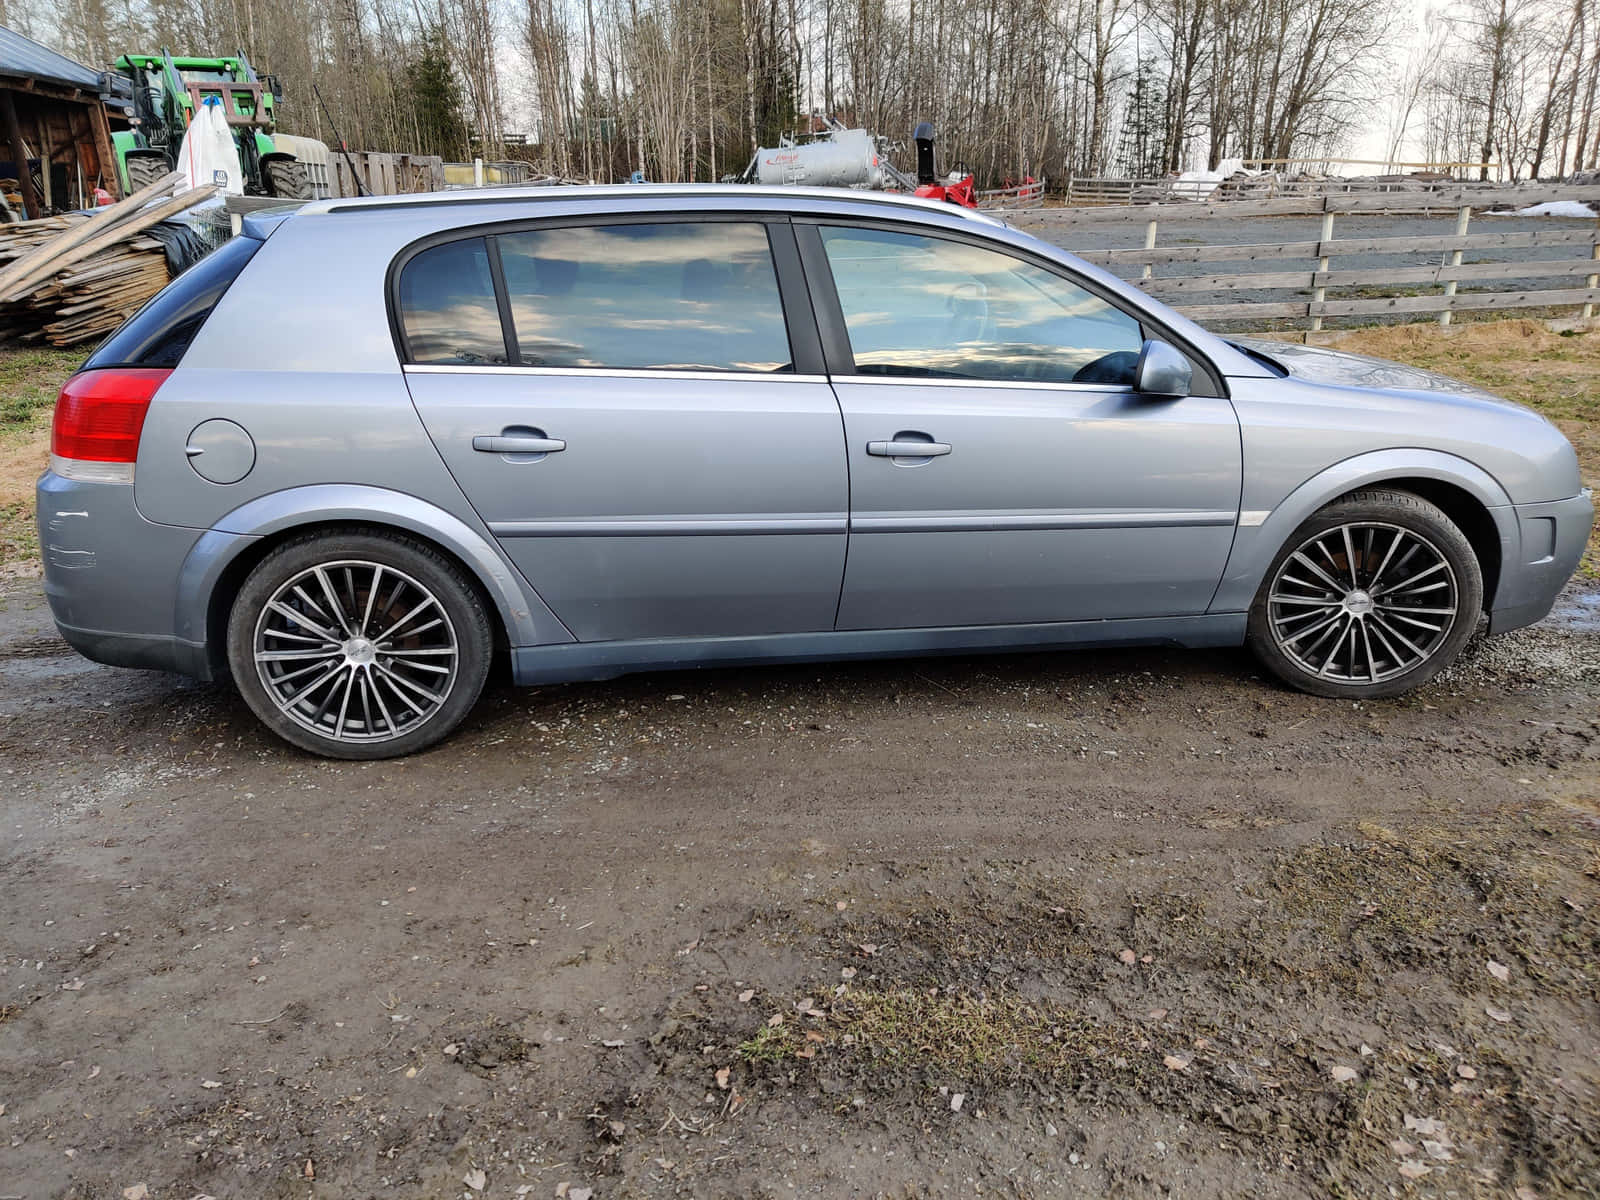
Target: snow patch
x=1197, y=185
x=1558, y=208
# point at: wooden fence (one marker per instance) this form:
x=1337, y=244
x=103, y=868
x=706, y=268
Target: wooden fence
x=1023, y=195
x=1081, y=191
x=385, y=174
x=1574, y=260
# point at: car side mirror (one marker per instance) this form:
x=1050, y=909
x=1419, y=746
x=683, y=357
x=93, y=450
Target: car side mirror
x=1163, y=371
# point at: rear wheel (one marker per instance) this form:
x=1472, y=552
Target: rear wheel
x=359, y=645
x=145, y=169
x=1373, y=596
x=287, y=178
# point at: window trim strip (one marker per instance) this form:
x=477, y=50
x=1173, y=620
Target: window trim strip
x=611, y=373
x=502, y=299
x=1032, y=385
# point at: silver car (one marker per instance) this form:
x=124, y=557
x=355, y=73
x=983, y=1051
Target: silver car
x=364, y=450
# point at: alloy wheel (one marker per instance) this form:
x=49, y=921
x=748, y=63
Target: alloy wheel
x=356, y=651
x=1363, y=602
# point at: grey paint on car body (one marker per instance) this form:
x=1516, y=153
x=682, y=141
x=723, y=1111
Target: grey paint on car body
x=741, y=518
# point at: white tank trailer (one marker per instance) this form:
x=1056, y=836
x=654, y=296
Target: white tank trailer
x=849, y=158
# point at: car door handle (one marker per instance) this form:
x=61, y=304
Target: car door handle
x=907, y=449
x=501, y=443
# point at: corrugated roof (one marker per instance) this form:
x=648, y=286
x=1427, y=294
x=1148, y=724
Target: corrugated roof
x=27, y=58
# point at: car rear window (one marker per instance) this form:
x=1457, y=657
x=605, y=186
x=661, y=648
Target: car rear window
x=448, y=308
x=160, y=332
x=669, y=295
x=674, y=295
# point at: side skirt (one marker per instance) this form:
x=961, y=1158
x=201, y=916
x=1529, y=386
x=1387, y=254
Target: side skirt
x=572, y=662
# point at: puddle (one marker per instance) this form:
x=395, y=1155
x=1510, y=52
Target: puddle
x=1577, y=613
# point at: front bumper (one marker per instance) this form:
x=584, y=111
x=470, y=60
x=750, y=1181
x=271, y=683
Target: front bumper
x=1552, y=537
x=111, y=577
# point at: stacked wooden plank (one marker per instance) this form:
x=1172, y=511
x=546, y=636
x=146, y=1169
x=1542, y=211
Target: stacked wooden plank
x=73, y=278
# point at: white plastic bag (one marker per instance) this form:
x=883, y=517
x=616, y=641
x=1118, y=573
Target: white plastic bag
x=208, y=153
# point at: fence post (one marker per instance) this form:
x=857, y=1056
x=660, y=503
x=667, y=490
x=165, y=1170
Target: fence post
x=1594, y=280
x=1149, y=244
x=1462, y=218
x=477, y=172
x=1320, y=292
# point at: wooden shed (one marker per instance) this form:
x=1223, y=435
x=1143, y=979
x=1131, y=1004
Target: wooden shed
x=55, y=140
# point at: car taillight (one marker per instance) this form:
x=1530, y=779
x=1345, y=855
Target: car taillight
x=99, y=416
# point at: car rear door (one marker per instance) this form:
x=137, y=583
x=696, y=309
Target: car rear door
x=637, y=410
x=1002, y=468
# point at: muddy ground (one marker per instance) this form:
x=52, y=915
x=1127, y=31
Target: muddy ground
x=1132, y=924
x=1104, y=924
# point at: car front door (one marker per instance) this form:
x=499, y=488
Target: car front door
x=1002, y=468
x=621, y=403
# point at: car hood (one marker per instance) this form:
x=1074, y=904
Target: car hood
x=1340, y=369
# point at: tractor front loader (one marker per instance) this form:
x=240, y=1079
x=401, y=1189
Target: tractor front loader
x=168, y=91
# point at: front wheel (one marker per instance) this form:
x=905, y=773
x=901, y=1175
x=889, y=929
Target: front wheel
x=1373, y=596
x=359, y=645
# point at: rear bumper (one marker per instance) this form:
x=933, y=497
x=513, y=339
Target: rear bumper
x=146, y=651
x=1552, y=538
x=111, y=577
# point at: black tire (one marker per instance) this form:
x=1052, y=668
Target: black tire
x=402, y=570
x=1283, y=624
x=287, y=178
x=145, y=169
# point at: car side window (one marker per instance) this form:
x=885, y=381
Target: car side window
x=447, y=306
x=931, y=307
x=684, y=296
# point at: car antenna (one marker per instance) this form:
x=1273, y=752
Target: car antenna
x=343, y=149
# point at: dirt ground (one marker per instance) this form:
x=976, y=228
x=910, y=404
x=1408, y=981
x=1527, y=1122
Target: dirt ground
x=1106, y=924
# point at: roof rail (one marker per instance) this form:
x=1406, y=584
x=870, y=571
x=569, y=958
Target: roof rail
x=518, y=194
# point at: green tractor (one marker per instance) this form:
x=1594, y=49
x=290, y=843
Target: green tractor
x=166, y=93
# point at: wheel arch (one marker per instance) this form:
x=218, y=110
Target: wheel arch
x=1468, y=495
x=1467, y=512
x=224, y=555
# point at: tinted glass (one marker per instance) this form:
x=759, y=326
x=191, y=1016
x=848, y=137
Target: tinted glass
x=923, y=306
x=675, y=296
x=447, y=306
x=159, y=333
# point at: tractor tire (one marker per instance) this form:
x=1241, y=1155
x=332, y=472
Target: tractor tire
x=145, y=169
x=287, y=179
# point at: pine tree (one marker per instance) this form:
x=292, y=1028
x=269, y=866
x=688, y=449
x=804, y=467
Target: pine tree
x=436, y=99
x=1139, y=151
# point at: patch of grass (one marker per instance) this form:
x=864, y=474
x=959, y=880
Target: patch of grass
x=983, y=1038
x=29, y=381
x=770, y=1045
x=1334, y=911
x=19, y=536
